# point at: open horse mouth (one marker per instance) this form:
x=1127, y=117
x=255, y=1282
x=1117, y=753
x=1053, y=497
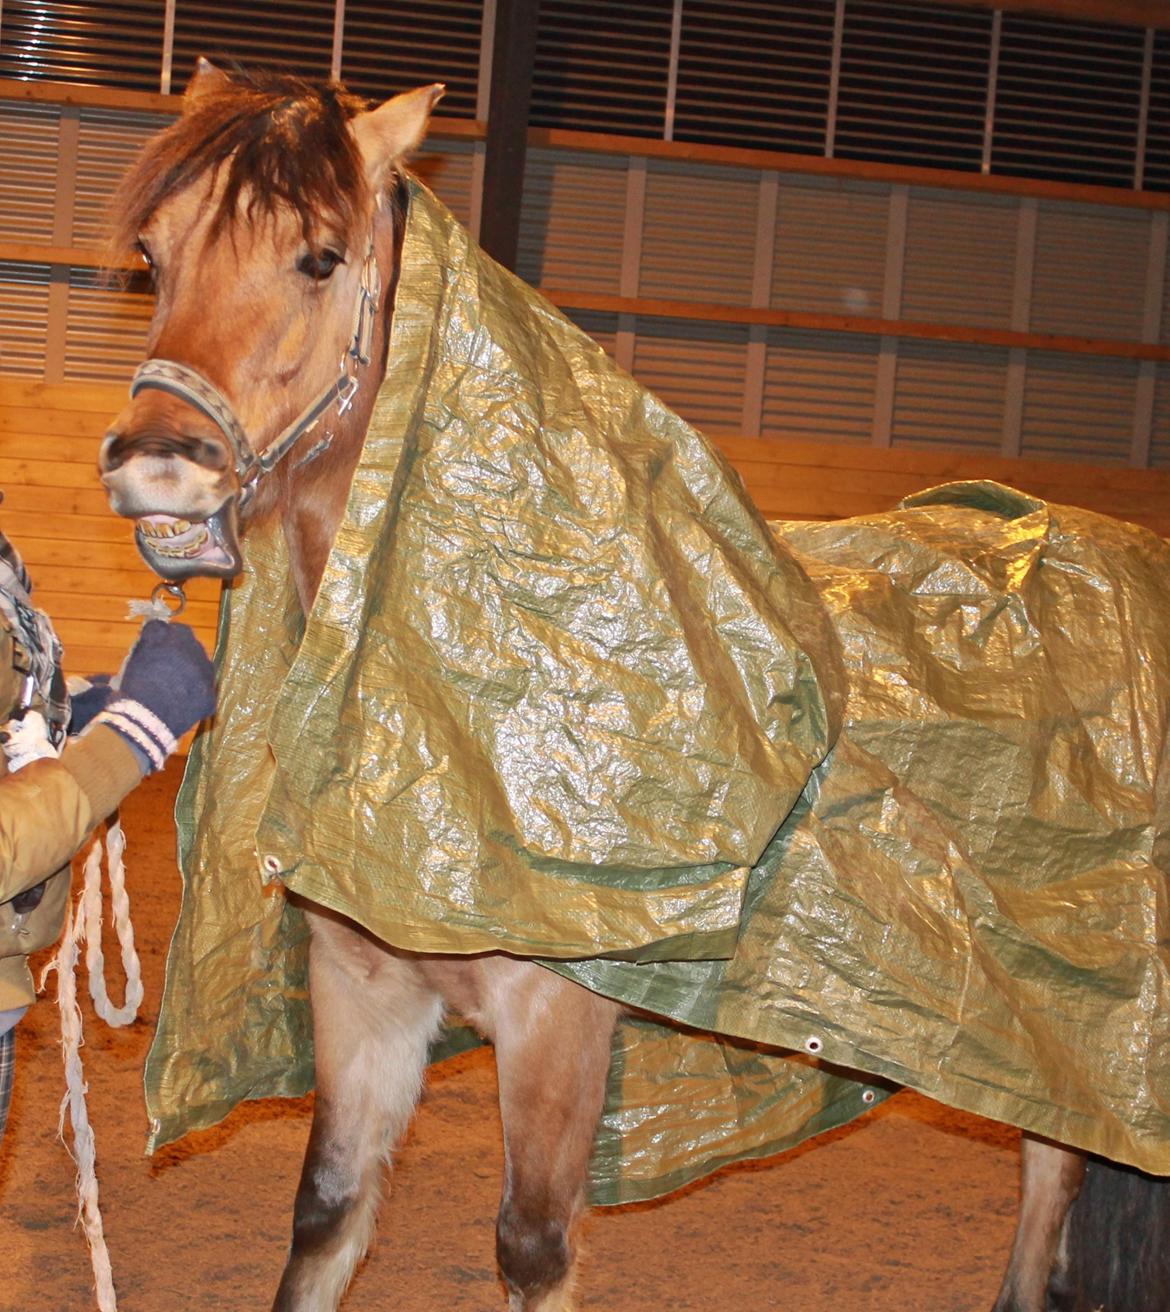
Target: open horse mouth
x=178, y=549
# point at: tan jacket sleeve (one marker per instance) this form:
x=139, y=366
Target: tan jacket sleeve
x=48, y=808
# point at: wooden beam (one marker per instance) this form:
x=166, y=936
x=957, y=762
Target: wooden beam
x=1123, y=13
x=751, y=157
x=513, y=56
x=815, y=321
x=154, y=102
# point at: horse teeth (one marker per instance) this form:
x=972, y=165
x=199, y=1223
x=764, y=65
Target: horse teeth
x=197, y=546
x=158, y=530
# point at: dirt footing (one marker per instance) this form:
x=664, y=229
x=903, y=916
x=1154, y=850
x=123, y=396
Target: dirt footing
x=908, y=1210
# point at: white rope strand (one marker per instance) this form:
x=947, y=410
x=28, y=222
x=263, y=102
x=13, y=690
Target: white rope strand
x=91, y=900
x=84, y=925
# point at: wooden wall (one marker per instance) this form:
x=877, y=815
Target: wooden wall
x=84, y=565
x=86, y=568
x=815, y=480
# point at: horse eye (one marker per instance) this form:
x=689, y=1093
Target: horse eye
x=144, y=251
x=319, y=265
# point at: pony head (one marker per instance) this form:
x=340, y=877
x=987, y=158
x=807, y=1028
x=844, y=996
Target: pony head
x=257, y=213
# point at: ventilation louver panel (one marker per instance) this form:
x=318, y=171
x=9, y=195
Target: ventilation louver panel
x=819, y=387
x=573, y=221
x=830, y=250
x=1160, y=426
x=1078, y=408
x=105, y=338
x=755, y=74
x=960, y=258
x=394, y=46
x=1163, y=335
x=949, y=397
x=913, y=84
x=1157, y=165
x=447, y=167
x=113, y=42
x=108, y=143
x=1067, y=100
x=30, y=136
x=1108, y=250
x=24, y=319
x=699, y=234
x=295, y=36
x=696, y=368
x=602, y=66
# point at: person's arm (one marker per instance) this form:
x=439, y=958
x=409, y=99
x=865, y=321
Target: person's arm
x=48, y=808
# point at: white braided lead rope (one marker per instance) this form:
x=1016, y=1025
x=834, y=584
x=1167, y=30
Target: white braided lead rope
x=28, y=741
x=91, y=901
x=84, y=925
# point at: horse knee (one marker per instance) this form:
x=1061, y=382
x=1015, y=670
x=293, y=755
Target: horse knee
x=534, y=1253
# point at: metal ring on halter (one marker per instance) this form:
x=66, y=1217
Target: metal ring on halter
x=176, y=594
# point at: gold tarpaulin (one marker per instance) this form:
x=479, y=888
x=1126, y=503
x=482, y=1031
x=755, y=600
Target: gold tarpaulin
x=886, y=791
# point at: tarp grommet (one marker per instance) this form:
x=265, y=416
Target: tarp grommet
x=868, y=1096
x=813, y=1044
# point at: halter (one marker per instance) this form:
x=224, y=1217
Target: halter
x=191, y=386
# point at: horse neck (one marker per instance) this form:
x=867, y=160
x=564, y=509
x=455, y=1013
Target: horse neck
x=314, y=495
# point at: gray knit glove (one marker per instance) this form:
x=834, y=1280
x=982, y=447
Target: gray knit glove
x=166, y=687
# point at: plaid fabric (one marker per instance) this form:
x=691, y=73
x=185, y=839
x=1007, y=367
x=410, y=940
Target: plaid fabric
x=11, y=557
x=7, y=1065
x=37, y=651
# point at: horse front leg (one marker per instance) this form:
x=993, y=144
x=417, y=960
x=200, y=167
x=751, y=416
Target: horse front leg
x=553, y=1044
x=1050, y=1179
x=373, y=1018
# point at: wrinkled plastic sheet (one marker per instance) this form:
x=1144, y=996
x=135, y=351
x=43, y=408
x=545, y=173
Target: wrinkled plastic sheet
x=888, y=791
x=970, y=897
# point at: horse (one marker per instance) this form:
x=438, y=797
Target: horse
x=279, y=205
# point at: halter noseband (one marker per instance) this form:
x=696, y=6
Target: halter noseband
x=191, y=386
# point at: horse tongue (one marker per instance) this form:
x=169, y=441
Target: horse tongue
x=179, y=549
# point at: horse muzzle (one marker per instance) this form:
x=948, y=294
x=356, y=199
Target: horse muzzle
x=169, y=471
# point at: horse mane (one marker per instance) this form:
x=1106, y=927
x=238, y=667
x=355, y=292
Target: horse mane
x=284, y=142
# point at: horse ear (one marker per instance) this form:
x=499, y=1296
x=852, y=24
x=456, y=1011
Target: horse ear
x=205, y=79
x=388, y=134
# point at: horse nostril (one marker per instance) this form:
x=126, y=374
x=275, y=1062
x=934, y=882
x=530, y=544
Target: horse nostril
x=118, y=448
x=110, y=456
x=210, y=454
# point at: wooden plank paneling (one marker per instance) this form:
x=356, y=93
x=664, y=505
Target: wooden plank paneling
x=810, y=480
x=82, y=558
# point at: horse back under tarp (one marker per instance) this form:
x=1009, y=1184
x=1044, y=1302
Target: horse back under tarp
x=970, y=897
x=561, y=689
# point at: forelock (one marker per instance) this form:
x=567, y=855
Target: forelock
x=281, y=143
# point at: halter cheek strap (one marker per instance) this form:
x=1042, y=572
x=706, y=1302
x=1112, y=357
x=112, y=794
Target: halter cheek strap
x=191, y=386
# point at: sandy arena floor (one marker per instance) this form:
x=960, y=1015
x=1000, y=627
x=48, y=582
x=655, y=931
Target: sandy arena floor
x=907, y=1210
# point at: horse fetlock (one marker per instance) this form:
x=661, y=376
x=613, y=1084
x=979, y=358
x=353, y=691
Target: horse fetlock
x=552, y=1300
x=317, y=1220
x=330, y=1238
x=535, y=1257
